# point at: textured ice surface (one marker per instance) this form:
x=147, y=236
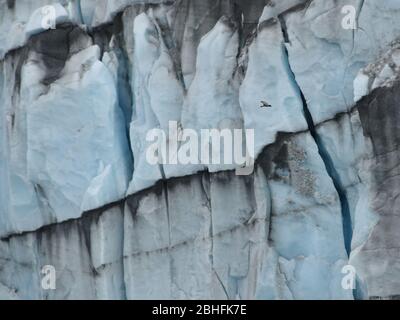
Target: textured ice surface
x=326, y=58
x=76, y=191
x=22, y=18
x=38, y=23
x=268, y=78
x=382, y=73
x=68, y=150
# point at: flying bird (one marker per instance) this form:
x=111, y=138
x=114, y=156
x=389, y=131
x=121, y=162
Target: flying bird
x=265, y=105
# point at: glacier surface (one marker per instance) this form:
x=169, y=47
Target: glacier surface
x=77, y=192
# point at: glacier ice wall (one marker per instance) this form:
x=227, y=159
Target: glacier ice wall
x=77, y=193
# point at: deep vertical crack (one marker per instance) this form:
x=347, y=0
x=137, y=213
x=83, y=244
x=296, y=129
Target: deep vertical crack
x=170, y=258
x=323, y=152
x=334, y=175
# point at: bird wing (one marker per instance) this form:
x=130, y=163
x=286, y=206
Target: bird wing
x=265, y=104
